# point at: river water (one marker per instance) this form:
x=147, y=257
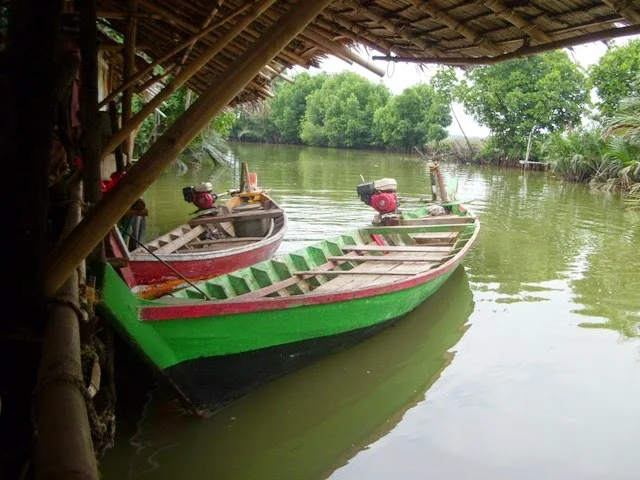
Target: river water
x=524, y=365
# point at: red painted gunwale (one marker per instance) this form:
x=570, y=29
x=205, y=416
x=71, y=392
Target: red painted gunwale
x=195, y=266
x=232, y=306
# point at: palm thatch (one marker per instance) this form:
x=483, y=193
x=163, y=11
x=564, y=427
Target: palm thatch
x=435, y=31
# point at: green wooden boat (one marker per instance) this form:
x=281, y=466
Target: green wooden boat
x=222, y=338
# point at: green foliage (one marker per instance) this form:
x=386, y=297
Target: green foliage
x=340, y=113
x=254, y=123
x=290, y=103
x=412, y=119
x=577, y=156
x=545, y=93
x=613, y=76
x=609, y=159
x=156, y=124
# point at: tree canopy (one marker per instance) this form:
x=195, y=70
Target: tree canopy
x=614, y=74
x=415, y=117
x=340, y=113
x=290, y=103
x=544, y=93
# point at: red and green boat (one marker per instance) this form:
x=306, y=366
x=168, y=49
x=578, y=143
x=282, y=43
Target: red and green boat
x=224, y=337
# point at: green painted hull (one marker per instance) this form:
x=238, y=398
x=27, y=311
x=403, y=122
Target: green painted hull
x=215, y=350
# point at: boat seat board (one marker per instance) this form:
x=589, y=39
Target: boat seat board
x=250, y=215
x=384, y=273
x=407, y=248
x=439, y=220
x=388, y=258
x=181, y=240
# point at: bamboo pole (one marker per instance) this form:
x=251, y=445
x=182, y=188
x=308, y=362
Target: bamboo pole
x=206, y=23
x=149, y=68
x=458, y=27
x=128, y=69
x=90, y=145
x=340, y=50
x=64, y=447
x=525, y=51
x=63, y=260
x=185, y=75
x=530, y=27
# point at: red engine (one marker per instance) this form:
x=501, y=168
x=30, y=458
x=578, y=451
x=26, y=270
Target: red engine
x=384, y=202
x=201, y=196
x=380, y=195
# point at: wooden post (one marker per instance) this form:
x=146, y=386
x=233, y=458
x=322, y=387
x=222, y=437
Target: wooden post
x=90, y=145
x=184, y=75
x=443, y=188
x=63, y=447
x=113, y=117
x=128, y=70
x=63, y=260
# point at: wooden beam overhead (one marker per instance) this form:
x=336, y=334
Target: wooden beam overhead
x=530, y=27
x=457, y=26
x=393, y=28
x=624, y=9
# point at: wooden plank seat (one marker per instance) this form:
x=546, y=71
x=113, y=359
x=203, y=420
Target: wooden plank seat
x=384, y=248
x=387, y=258
x=439, y=220
x=182, y=240
x=251, y=215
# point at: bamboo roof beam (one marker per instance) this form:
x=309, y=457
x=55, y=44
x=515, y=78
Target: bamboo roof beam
x=148, y=69
x=360, y=34
x=340, y=50
x=185, y=75
x=276, y=73
x=122, y=15
x=457, y=26
x=624, y=9
x=524, y=51
x=530, y=27
x=62, y=261
x=204, y=25
x=395, y=29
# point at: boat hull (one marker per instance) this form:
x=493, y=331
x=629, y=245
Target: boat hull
x=210, y=383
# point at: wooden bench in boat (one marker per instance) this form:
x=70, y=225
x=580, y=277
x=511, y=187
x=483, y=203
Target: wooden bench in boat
x=439, y=220
x=256, y=215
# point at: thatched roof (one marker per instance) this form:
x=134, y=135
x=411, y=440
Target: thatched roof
x=437, y=31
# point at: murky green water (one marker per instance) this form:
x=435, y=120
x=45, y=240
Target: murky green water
x=525, y=365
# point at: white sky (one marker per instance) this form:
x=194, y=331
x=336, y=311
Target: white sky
x=402, y=75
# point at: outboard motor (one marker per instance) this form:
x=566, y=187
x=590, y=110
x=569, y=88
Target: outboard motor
x=201, y=196
x=380, y=195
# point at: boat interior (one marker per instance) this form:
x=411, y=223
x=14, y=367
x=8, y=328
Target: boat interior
x=247, y=218
x=364, y=258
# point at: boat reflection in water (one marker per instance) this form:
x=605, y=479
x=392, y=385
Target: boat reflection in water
x=311, y=422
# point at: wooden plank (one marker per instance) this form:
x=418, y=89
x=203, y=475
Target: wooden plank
x=382, y=248
x=196, y=243
x=216, y=246
x=181, y=241
x=350, y=272
x=436, y=238
x=386, y=258
x=417, y=229
x=276, y=212
x=440, y=220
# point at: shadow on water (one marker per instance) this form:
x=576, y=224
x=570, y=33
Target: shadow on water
x=309, y=423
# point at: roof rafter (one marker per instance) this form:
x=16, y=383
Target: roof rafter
x=531, y=28
x=624, y=9
x=457, y=26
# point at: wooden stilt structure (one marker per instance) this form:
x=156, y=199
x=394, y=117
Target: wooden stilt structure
x=64, y=447
x=129, y=68
x=95, y=226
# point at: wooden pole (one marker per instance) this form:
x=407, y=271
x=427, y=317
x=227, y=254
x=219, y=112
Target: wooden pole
x=185, y=75
x=149, y=68
x=64, y=448
x=90, y=146
x=341, y=51
x=113, y=117
x=63, y=260
x=128, y=70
